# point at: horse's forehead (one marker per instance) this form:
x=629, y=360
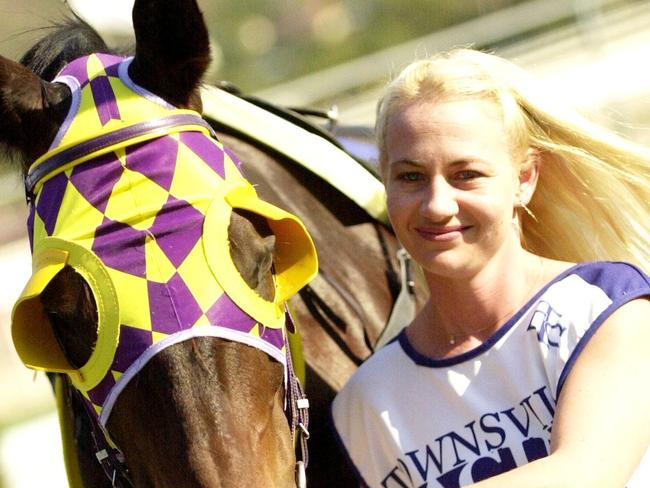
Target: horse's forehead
x=103, y=98
x=86, y=67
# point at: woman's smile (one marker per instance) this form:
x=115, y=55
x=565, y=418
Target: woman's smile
x=442, y=233
x=452, y=184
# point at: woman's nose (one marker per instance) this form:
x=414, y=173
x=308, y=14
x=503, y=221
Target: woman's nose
x=439, y=201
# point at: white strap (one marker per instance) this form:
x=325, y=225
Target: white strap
x=311, y=151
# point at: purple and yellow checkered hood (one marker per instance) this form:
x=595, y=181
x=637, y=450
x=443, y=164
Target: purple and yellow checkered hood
x=145, y=222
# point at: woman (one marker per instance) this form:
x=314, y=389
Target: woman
x=524, y=369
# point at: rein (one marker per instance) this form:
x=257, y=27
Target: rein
x=297, y=411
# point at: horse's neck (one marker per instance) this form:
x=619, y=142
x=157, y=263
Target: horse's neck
x=307, y=145
x=358, y=269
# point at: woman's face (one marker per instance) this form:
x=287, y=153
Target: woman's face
x=451, y=185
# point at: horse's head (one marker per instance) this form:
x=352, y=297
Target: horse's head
x=145, y=234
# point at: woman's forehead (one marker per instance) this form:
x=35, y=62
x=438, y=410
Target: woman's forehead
x=464, y=119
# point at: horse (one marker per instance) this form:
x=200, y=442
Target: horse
x=208, y=411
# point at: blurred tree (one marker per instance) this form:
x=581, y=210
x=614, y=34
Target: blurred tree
x=259, y=43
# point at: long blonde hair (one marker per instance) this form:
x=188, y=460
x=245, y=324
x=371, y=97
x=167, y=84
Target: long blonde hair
x=593, y=196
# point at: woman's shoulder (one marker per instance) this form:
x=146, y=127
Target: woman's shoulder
x=614, y=278
x=576, y=302
x=379, y=366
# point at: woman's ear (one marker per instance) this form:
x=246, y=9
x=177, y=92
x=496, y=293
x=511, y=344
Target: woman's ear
x=528, y=176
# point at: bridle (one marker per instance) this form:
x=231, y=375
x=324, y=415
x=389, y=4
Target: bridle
x=237, y=193
x=113, y=463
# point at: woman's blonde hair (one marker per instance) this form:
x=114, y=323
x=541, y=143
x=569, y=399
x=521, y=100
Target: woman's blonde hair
x=593, y=196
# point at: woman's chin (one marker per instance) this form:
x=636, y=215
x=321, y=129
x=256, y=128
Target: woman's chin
x=447, y=264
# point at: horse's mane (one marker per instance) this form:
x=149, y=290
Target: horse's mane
x=69, y=39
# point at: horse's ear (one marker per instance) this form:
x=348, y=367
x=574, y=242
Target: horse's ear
x=31, y=109
x=172, y=48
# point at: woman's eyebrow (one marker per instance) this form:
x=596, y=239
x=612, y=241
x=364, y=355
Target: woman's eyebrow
x=409, y=162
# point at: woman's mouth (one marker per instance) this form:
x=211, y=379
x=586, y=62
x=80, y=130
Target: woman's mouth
x=441, y=234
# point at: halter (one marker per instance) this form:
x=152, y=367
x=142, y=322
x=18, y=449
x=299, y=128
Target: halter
x=101, y=206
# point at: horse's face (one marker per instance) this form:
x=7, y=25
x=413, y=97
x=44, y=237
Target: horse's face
x=119, y=235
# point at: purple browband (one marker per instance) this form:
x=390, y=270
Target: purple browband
x=91, y=146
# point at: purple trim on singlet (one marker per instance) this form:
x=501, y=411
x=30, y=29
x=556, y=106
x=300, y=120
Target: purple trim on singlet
x=590, y=272
x=622, y=283
x=628, y=283
x=422, y=360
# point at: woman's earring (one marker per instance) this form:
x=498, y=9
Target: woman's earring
x=528, y=211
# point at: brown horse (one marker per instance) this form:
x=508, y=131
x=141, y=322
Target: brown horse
x=218, y=418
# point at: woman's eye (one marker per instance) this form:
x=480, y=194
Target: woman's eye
x=410, y=176
x=467, y=175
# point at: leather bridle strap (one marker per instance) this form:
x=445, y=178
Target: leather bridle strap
x=110, y=458
x=297, y=409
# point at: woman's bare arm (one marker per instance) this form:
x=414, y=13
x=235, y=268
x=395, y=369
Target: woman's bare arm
x=601, y=428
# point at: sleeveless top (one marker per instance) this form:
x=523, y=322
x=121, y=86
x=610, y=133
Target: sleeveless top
x=406, y=420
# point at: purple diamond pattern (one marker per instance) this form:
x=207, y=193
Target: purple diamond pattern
x=49, y=201
x=173, y=307
x=96, y=179
x=77, y=69
x=177, y=228
x=272, y=336
x=100, y=392
x=121, y=247
x=224, y=313
x=155, y=159
x=206, y=149
x=111, y=63
x=161, y=307
x=133, y=342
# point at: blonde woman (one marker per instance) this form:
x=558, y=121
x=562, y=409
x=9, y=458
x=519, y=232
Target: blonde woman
x=529, y=366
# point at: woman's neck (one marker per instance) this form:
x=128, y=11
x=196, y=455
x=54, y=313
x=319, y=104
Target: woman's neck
x=463, y=312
